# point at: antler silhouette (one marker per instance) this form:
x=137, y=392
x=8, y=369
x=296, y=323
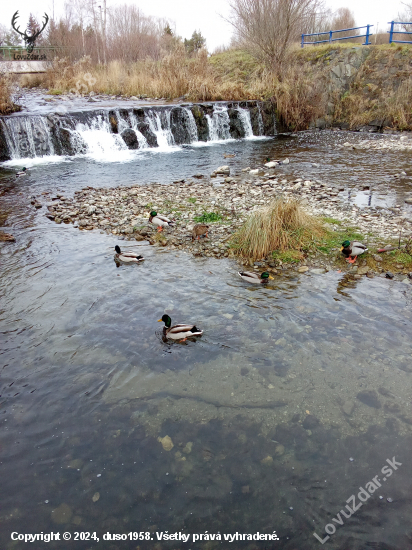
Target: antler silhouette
x=29, y=40
x=13, y=21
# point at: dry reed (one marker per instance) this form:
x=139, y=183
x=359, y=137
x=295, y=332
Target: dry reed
x=280, y=226
x=6, y=96
x=175, y=75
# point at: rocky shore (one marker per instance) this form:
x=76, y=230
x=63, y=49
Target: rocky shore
x=223, y=199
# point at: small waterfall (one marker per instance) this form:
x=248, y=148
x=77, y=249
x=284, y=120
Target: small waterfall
x=191, y=125
x=96, y=139
x=114, y=135
x=27, y=137
x=164, y=137
x=219, y=123
x=140, y=137
x=244, y=116
x=260, y=122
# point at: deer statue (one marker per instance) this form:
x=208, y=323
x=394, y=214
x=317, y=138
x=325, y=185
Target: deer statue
x=29, y=40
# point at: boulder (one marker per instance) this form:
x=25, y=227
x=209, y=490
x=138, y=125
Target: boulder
x=225, y=170
x=130, y=138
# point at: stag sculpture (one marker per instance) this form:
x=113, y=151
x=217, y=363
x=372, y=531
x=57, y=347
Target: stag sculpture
x=29, y=40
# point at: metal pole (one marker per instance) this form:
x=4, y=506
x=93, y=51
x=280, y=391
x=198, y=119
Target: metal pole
x=330, y=36
x=391, y=33
x=303, y=39
x=367, y=43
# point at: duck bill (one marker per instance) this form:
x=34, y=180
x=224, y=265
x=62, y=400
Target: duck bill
x=159, y=320
x=270, y=277
x=341, y=248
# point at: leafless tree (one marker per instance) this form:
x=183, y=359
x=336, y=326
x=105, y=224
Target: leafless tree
x=343, y=18
x=405, y=16
x=267, y=27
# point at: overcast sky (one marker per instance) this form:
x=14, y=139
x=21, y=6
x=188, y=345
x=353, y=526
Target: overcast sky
x=205, y=15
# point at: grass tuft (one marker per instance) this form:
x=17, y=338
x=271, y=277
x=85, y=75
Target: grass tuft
x=281, y=226
x=208, y=217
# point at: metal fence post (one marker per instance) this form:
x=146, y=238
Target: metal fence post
x=303, y=40
x=367, y=43
x=391, y=33
x=330, y=36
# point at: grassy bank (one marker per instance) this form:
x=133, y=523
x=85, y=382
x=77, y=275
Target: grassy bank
x=233, y=76
x=377, y=89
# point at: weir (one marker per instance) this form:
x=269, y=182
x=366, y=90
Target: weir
x=108, y=131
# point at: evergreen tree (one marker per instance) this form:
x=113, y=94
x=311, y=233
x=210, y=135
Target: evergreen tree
x=196, y=43
x=167, y=31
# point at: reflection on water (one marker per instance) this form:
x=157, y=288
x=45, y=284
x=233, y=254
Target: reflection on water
x=293, y=398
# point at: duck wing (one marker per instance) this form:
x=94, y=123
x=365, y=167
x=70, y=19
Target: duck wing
x=250, y=276
x=357, y=248
x=183, y=331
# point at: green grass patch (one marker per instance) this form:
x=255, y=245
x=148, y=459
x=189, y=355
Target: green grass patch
x=191, y=199
x=208, y=217
x=289, y=256
x=54, y=92
x=332, y=221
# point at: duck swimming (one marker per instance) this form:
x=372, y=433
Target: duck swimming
x=21, y=173
x=178, y=332
x=160, y=221
x=251, y=277
x=127, y=256
x=352, y=249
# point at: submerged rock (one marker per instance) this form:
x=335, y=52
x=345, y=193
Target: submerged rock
x=369, y=398
x=310, y=422
x=62, y=514
x=166, y=442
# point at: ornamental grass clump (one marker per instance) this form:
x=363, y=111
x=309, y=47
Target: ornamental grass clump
x=281, y=226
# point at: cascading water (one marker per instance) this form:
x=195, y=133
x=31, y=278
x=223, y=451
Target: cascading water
x=140, y=137
x=260, y=122
x=219, y=123
x=164, y=136
x=97, y=138
x=27, y=137
x=191, y=125
x=114, y=134
x=244, y=116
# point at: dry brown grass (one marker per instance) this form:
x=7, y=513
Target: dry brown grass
x=300, y=96
x=6, y=90
x=280, y=226
x=176, y=75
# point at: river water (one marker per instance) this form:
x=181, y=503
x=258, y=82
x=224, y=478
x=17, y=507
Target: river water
x=291, y=401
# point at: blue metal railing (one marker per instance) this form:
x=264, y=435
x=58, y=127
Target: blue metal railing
x=392, y=32
x=367, y=35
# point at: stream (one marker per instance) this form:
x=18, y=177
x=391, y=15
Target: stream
x=293, y=399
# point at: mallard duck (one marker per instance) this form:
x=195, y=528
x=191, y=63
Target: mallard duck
x=198, y=230
x=352, y=249
x=21, y=173
x=251, y=277
x=127, y=256
x=160, y=221
x=178, y=332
